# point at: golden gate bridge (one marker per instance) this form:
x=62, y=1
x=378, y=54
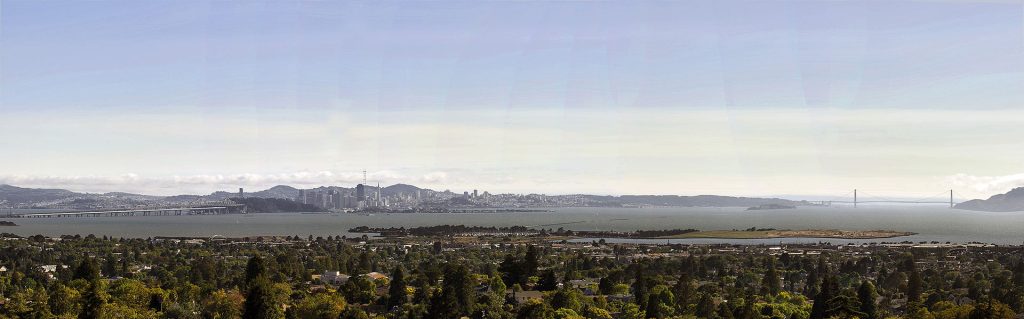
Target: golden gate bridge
x=856, y=197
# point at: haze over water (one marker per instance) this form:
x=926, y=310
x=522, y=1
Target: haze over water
x=932, y=223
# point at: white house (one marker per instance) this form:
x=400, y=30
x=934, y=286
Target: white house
x=334, y=277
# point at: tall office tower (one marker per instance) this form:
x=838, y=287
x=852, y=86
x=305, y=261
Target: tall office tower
x=360, y=196
x=475, y=194
x=336, y=200
x=241, y=193
x=378, y=194
x=302, y=196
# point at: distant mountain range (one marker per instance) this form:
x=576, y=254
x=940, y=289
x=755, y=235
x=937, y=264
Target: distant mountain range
x=1012, y=201
x=48, y=198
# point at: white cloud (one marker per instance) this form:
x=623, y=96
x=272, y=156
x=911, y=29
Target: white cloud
x=200, y=184
x=605, y=151
x=988, y=185
x=434, y=177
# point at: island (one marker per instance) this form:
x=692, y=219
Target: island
x=771, y=206
x=7, y=223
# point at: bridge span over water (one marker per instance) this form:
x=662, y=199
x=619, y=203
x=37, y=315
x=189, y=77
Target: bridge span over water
x=176, y=211
x=940, y=198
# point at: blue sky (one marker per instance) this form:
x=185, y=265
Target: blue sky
x=731, y=97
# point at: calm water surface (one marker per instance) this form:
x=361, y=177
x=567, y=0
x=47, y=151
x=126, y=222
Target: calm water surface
x=933, y=223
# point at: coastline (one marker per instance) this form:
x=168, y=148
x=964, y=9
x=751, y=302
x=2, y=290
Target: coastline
x=807, y=233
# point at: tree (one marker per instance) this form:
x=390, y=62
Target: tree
x=87, y=269
x=866, y=295
x=530, y=263
x=565, y=313
x=93, y=302
x=457, y=294
x=659, y=302
x=705, y=307
x=129, y=291
x=605, y=286
x=223, y=305
x=63, y=299
x=914, y=286
x=260, y=302
x=354, y=313
x=547, y=282
x=534, y=309
x=396, y=291
x=123, y=311
x=444, y=305
x=359, y=289
x=510, y=271
x=829, y=289
x=684, y=291
x=632, y=311
x=320, y=306
x=568, y=298
x=770, y=284
x=255, y=269
x=640, y=288
x=498, y=286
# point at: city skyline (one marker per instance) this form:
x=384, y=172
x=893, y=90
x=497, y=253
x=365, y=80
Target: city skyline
x=717, y=97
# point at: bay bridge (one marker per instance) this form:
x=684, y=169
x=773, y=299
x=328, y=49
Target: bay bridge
x=220, y=209
x=859, y=198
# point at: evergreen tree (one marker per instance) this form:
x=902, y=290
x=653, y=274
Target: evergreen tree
x=259, y=301
x=530, y=263
x=510, y=271
x=93, y=301
x=547, y=281
x=866, y=295
x=914, y=286
x=396, y=290
x=444, y=305
x=770, y=283
x=606, y=285
x=684, y=291
x=640, y=288
x=255, y=269
x=456, y=297
x=828, y=290
x=706, y=306
x=87, y=269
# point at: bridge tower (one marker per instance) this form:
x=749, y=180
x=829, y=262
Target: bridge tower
x=951, y=198
x=854, y=198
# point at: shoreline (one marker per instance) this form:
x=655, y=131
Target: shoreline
x=806, y=233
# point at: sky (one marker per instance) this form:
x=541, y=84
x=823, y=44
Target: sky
x=755, y=98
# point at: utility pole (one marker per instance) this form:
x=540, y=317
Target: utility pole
x=855, y=198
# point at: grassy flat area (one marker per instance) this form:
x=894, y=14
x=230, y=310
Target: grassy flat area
x=826, y=233
x=724, y=234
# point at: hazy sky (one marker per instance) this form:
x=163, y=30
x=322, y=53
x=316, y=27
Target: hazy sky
x=687, y=97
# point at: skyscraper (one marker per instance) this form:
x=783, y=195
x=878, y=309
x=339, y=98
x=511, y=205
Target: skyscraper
x=360, y=196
